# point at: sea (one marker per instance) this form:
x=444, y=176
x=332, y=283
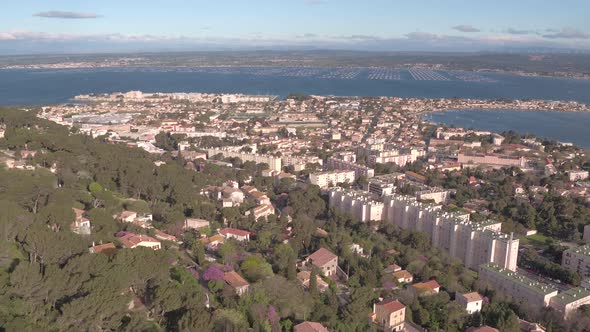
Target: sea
x=560, y=126
x=51, y=86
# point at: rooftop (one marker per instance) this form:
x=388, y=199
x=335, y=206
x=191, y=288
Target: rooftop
x=571, y=295
x=516, y=277
x=391, y=305
x=582, y=250
x=310, y=327
x=472, y=297
x=234, y=279
x=322, y=257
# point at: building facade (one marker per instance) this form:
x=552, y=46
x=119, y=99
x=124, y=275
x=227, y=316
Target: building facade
x=577, y=259
x=331, y=178
x=519, y=287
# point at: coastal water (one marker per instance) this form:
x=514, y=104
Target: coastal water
x=45, y=86
x=49, y=86
x=560, y=126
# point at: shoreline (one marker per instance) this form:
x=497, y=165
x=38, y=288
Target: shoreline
x=491, y=126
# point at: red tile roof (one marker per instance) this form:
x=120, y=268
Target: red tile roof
x=310, y=327
x=321, y=257
x=103, y=247
x=130, y=240
x=234, y=231
x=391, y=305
x=234, y=279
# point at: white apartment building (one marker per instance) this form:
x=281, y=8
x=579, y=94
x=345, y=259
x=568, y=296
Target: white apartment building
x=438, y=195
x=331, y=178
x=519, y=287
x=359, y=170
x=577, y=259
x=299, y=163
x=274, y=163
x=359, y=204
x=569, y=301
x=384, y=184
x=472, y=243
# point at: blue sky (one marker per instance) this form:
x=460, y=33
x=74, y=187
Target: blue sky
x=29, y=26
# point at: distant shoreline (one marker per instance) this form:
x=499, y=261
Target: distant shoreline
x=170, y=67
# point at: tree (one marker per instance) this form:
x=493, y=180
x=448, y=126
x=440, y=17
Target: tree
x=256, y=268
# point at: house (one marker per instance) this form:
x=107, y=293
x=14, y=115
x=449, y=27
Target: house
x=234, y=233
x=214, y=242
x=80, y=225
x=239, y=284
x=127, y=216
x=403, y=277
x=482, y=329
x=430, y=287
x=310, y=327
x=192, y=223
x=164, y=237
x=102, y=248
x=389, y=315
x=132, y=240
x=324, y=260
x=357, y=249
x=304, y=278
x=471, y=302
x=392, y=268
x=261, y=211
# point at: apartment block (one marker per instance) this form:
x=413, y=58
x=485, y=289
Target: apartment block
x=516, y=285
x=577, y=259
x=331, y=178
x=299, y=163
x=274, y=163
x=438, y=195
x=384, y=184
x=359, y=170
x=491, y=159
x=569, y=301
x=472, y=243
x=359, y=204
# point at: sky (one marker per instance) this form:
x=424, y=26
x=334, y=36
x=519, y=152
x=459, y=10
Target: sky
x=74, y=26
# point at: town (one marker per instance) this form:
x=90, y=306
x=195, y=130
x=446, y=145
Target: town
x=376, y=217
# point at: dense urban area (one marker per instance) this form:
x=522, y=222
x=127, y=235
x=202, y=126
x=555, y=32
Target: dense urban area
x=141, y=211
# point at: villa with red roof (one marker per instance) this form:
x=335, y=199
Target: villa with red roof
x=389, y=315
x=310, y=327
x=132, y=240
x=234, y=233
x=325, y=261
x=239, y=284
x=429, y=287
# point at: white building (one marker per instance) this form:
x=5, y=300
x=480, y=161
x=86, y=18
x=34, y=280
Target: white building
x=331, y=178
x=359, y=170
x=359, y=204
x=519, y=287
x=577, y=259
x=471, y=302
